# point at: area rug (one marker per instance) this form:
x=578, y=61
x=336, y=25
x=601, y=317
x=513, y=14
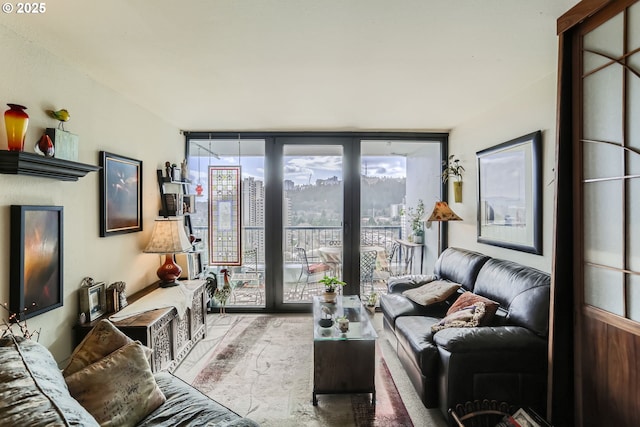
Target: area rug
x=263, y=369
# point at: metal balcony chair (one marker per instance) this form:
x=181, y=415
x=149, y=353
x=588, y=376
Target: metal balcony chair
x=393, y=259
x=367, y=266
x=248, y=282
x=307, y=269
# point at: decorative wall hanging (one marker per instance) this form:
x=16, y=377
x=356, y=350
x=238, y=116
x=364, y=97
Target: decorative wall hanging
x=510, y=194
x=224, y=214
x=120, y=194
x=36, y=260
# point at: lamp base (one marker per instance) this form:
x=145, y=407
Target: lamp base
x=169, y=272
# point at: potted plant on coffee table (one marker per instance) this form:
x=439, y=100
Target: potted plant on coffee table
x=370, y=302
x=331, y=285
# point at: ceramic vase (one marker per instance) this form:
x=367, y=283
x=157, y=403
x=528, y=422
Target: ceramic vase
x=343, y=325
x=457, y=191
x=16, y=122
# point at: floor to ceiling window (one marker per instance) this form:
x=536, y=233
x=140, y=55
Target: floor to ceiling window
x=278, y=211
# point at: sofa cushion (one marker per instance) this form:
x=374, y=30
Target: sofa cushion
x=468, y=299
x=396, y=305
x=523, y=291
x=432, y=292
x=460, y=266
x=32, y=389
x=414, y=334
x=467, y=317
x=186, y=406
x=399, y=284
x=119, y=389
x=101, y=341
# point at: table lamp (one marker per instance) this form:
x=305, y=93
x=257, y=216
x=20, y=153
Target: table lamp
x=442, y=212
x=168, y=237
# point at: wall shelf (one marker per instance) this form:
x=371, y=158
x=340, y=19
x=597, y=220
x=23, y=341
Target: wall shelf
x=21, y=163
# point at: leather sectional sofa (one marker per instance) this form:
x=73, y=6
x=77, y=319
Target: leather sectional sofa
x=505, y=360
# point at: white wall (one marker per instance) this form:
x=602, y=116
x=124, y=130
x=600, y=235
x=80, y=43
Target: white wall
x=528, y=111
x=104, y=120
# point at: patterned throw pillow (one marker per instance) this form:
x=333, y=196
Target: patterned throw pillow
x=432, y=292
x=101, y=341
x=468, y=317
x=469, y=298
x=119, y=389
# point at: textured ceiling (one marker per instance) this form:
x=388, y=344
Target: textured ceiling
x=305, y=64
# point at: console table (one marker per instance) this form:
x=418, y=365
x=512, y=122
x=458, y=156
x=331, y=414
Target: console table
x=169, y=337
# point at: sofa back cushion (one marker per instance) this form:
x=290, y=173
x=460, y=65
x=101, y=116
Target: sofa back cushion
x=32, y=389
x=460, y=266
x=522, y=291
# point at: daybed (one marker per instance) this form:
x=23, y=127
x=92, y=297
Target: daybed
x=117, y=389
x=504, y=358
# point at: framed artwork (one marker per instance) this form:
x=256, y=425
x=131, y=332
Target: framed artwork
x=120, y=194
x=93, y=301
x=510, y=194
x=224, y=211
x=36, y=260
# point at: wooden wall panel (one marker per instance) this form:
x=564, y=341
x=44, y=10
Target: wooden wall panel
x=611, y=375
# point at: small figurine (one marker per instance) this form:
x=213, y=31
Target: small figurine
x=60, y=115
x=184, y=170
x=222, y=294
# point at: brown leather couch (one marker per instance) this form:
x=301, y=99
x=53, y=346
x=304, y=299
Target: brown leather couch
x=505, y=360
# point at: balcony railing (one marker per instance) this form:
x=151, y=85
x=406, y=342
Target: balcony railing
x=311, y=239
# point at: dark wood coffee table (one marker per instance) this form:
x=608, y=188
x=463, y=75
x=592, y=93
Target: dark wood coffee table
x=343, y=362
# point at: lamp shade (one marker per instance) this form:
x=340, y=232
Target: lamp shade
x=168, y=237
x=442, y=212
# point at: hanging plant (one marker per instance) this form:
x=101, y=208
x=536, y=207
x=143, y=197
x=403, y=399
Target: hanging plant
x=452, y=168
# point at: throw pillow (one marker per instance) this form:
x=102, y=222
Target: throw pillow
x=468, y=317
x=32, y=389
x=468, y=299
x=102, y=340
x=118, y=390
x=432, y=292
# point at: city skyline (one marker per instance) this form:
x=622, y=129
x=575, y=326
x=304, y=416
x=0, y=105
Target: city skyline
x=305, y=170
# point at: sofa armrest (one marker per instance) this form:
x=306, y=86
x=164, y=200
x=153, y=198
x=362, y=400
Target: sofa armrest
x=397, y=285
x=488, y=338
x=504, y=363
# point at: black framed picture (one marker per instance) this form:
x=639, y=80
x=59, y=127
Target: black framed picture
x=36, y=260
x=120, y=194
x=510, y=194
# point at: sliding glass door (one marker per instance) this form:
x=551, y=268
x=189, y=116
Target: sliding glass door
x=311, y=204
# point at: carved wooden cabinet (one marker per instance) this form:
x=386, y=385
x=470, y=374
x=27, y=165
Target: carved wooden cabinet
x=169, y=337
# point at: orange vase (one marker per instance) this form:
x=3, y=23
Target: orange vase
x=16, y=121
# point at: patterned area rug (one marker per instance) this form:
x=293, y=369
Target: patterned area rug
x=263, y=369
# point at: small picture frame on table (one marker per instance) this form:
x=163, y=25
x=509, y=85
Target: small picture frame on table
x=93, y=301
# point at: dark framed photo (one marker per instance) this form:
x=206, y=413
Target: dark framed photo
x=120, y=194
x=36, y=260
x=93, y=301
x=510, y=194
